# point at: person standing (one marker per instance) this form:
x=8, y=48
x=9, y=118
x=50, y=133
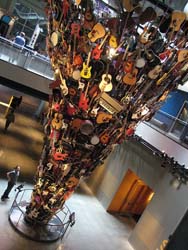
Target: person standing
x=10, y=118
x=12, y=179
x=20, y=39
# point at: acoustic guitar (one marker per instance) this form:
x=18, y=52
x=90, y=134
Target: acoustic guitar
x=106, y=84
x=97, y=32
x=103, y=117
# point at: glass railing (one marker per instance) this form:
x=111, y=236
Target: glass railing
x=171, y=126
x=25, y=58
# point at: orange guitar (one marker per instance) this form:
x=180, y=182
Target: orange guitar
x=130, y=78
x=103, y=117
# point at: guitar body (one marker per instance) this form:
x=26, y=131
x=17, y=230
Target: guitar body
x=177, y=18
x=75, y=29
x=182, y=55
x=103, y=118
x=76, y=124
x=104, y=138
x=154, y=73
x=86, y=71
x=83, y=102
x=77, y=60
x=97, y=32
x=130, y=78
x=144, y=37
x=128, y=66
x=106, y=84
x=113, y=42
x=96, y=52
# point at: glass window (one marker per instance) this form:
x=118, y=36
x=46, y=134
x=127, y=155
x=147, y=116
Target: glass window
x=181, y=121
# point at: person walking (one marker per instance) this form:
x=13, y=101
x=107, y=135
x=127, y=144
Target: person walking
x=12, y=179
x=10, y=118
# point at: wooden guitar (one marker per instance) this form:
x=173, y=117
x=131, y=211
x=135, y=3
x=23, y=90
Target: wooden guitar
x=103, y=117
x=182, y=57
x=97, y=32
x=96, y=52
x=144, y=37
x=154, y=73
x=86, y=70
x=177, y=18
x=130, y=78
x=56, y=122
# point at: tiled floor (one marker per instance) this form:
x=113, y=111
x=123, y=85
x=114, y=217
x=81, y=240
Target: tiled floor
x=95, y=229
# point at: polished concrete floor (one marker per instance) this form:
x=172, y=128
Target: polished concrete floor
x=95, y=229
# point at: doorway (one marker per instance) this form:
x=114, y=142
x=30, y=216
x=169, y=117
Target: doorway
x=132, y=196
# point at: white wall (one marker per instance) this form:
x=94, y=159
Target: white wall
x=163, y=143
x=24, y=77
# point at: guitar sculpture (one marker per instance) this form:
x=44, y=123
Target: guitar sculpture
x=90, y=57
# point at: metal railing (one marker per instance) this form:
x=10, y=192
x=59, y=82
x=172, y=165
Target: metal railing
x=25, y=58
x=170, y=126
x=51, y=231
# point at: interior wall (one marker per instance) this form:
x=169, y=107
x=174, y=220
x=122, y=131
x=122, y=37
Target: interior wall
x=168, y=205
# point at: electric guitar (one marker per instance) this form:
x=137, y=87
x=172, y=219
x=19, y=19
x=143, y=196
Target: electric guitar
x=84, y=100
x=96, y=52
x=86, y=70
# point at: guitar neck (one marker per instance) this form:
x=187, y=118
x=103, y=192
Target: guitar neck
x=88, y=59
x=103, y=41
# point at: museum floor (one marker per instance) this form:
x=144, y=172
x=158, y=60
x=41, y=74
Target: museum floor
x=95, y=229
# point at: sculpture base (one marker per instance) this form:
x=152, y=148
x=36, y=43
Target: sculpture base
x=36, y=232
x=50, y=232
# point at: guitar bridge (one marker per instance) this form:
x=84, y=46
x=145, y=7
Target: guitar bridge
x=110, y=104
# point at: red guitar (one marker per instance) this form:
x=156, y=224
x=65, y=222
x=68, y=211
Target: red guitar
x=96, y=52
x=84, y=101
x=75, y=29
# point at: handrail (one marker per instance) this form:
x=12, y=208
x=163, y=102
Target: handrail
x=26, y=58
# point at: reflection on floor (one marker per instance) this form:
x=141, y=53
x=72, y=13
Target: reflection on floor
x=95, y=229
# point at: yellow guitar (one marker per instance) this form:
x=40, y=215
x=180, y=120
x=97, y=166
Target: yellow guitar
x=113, y=42
x=86, y=70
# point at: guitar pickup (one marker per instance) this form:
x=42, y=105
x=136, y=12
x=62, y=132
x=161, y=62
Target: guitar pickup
x=110, y=104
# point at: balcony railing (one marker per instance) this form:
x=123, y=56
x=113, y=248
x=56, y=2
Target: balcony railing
x=171, y=126
x=25, y=58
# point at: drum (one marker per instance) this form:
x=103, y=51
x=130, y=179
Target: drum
x=86, y=127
